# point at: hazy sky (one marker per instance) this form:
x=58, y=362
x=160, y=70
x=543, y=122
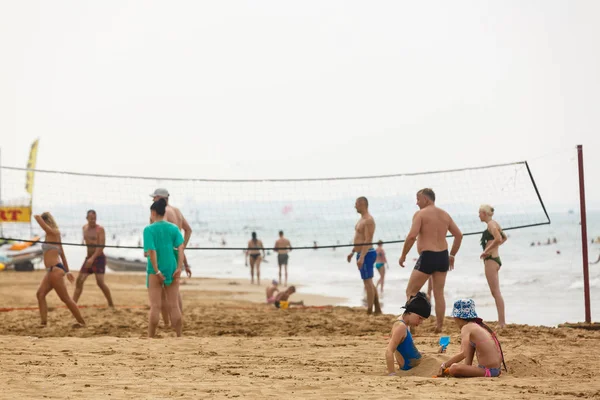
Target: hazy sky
x=252, y=89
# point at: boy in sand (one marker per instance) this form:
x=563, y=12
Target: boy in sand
x=285, y=295
x=271, y=290
x=401, y=345
x=476, y=338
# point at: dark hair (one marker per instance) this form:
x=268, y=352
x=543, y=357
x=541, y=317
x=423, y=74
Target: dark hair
x=480, y=322
x=90, y=211
x=281, y=233
x=380, y=242
x=254, y=237
x=363, y=198
x=428, y=193
x=159, y=206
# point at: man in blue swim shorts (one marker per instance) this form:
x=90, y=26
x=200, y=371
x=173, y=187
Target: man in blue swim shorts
x=366, y=255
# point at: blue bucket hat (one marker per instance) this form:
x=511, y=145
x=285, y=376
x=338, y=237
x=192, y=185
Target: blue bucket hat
x=464, y=309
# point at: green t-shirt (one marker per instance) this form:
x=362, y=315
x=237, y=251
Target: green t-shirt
x=163, y=237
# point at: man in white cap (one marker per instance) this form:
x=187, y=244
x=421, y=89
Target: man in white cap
x=174, y=216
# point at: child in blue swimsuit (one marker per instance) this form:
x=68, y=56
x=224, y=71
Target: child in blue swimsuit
x=401, y=346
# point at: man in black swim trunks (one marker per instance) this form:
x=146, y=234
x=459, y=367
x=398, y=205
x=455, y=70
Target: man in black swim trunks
x=429, y=227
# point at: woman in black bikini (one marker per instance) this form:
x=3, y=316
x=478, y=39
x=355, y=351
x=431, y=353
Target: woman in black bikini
x=491, y=239
x=56, y=267
x=253, y=252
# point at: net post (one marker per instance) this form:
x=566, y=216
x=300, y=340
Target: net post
x=584, y=248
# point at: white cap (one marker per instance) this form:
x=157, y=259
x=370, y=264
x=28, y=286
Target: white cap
x=160, y=192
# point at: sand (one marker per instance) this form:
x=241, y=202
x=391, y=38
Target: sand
x=234, y=347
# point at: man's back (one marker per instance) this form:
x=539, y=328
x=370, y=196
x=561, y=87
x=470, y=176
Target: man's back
x=434, y=228
x=174, y=216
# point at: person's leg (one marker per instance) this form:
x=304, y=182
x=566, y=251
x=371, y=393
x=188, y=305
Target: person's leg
x=286, y=276
x=382, y=272
x=252, y=261
x=466, y=371
x=368, y=284
x=180, y=302
x=258, y=261
x=41, y=294
x=415, y=283
x=172, y=294
x=155, y=293
x=104, y=287
x=438, y=283
x=491, y=274
x=429, y=288
x=58, y=284
x=164, y=308
x=379, y=280
x=81, y=277
x=280, y=281
x=375, y=298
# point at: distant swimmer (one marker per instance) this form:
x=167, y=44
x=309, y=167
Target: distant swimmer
x=57, y=268
x=380, y=264
x=283, y=247
x=429, y=227
x=271, y=291
x=365, y=254
x=174, y=216
x=491, y=239
x=253, y=251
x=95, y=261
x=401, y=347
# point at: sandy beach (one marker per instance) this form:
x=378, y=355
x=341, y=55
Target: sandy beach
x=234, y=346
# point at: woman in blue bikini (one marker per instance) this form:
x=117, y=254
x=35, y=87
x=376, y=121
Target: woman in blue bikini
x=491, y=239
x=476, y=338
x=57, y=268
x=401, y=346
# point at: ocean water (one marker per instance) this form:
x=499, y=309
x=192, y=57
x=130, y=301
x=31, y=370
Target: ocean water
x=541, y=285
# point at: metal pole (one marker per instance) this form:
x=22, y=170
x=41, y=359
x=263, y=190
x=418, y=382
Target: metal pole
x=584, y=248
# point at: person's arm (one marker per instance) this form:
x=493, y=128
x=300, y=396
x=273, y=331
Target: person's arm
x=179, y=244
x=180, y=257
x=187, y=231
x=289, y=246
x=275, y=248
x=262, y=248
x=465, y=336
x=457, y=234
x=45, y=226
x=398, y=336
x=411, y=238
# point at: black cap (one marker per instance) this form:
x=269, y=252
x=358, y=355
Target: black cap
x=419, y=304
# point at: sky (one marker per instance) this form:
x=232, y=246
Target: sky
x=281, y=89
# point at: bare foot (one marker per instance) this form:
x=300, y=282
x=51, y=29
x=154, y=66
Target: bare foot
x=437, y=330
x=43, y=324
x=78, y=325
